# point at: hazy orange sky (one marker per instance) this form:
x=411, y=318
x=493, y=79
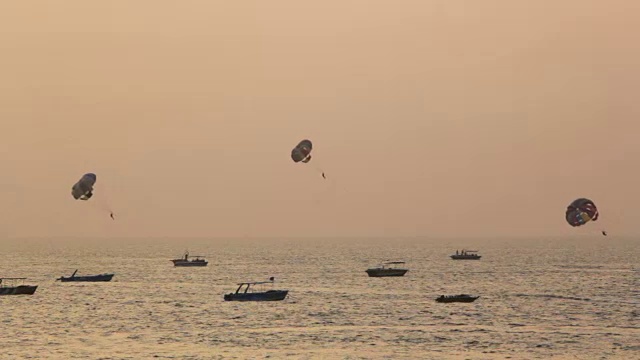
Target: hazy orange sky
x=430, y=118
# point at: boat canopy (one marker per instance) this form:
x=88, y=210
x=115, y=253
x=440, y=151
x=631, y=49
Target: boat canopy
x=393, y=262
x=255, y=283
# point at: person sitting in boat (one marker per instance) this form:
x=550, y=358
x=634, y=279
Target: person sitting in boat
x=456, y=252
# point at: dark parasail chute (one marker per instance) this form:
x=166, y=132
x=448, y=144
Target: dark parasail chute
x=581, y=211
x=302, y=151
x=83, y=188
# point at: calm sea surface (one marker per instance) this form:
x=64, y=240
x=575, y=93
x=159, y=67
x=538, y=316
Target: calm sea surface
x=540, y=299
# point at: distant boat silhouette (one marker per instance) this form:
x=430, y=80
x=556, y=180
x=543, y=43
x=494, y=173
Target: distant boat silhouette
x=385, y=270
x=186, y=262
x=8, y=287
x=269, y=295
x=466, y=255
x=86, y=278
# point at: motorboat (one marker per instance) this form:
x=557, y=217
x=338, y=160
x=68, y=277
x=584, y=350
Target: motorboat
x=387, y=269
x=243, y=293
x=185, y=261
x=86, y=278
x=466, y=255
x=15, y=286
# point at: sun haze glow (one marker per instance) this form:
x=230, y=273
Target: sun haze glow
x=429, y=117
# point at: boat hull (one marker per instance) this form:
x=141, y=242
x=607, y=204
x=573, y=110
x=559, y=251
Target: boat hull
x=468, y=299
x=189, y=263
x=465, y=257
x=93, y=278
x=18, y=290
x=271, y=295
x=386, y=272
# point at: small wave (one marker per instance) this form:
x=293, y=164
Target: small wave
x=580, y=266
x=552, y=296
